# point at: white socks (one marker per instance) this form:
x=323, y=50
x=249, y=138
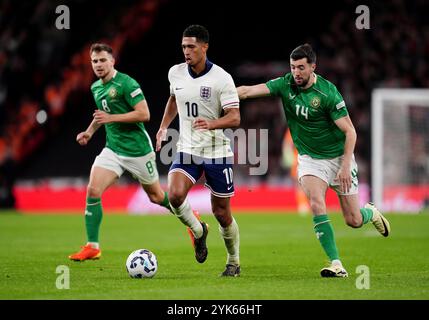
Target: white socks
x=95, y=245
x=337, y=262
x=230, y=234
x=231, y=237
x=185, y=214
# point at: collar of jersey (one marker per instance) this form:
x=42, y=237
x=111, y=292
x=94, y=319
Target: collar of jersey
x=113, y=77
x=209, y=65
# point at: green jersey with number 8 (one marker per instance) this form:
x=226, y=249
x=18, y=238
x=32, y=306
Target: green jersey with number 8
x=310, y=114
x=117, y=96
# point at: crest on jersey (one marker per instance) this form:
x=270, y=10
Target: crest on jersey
x=205, y=92
x=113, y=93
x=315, y=102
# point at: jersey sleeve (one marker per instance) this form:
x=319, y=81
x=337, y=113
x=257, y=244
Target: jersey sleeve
x=228, y=95
x=133, y=94
x=276, y=86
x=169, y=80
x=336, y=105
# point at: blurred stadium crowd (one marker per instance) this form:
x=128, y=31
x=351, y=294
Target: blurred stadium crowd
x=44, y=69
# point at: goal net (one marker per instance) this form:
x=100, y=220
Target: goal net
x=400, y=149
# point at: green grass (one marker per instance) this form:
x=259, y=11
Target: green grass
x=280, y=257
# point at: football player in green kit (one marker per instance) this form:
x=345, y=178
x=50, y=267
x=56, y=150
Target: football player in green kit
x=325, y=137
x=122, y=109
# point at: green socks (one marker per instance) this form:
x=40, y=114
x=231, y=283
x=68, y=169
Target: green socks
x=165, y=203
x=93, y=216
x=325, y=234
x=366, y=215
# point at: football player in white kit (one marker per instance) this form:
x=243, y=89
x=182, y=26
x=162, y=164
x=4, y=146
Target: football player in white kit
x=205, y=97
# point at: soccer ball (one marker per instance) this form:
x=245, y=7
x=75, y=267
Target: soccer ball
x=141, y=263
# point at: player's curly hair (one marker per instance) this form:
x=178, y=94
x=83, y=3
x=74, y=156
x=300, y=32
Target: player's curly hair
x=197, y=31
x=304, y=51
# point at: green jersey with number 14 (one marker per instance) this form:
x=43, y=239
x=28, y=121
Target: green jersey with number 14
x=117, y=96
x=310, y=114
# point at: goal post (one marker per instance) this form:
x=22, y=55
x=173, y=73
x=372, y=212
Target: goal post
x=400, y=149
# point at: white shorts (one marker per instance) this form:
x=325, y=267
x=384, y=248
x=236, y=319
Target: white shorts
x=327, y=169
x=142, y=168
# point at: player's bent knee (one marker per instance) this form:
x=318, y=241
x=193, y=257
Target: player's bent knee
x=176, y=198
x=222, y=213
x=93, y=192
x=354, y=222
x=220, y=209
x=317, y=205
x=223, y=217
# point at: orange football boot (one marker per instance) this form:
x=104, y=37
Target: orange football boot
x=87, y=253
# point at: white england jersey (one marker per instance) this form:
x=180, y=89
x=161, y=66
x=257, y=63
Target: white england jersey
x=205, y=97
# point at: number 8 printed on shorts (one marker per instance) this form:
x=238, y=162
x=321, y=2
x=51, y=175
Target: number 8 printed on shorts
x=149, y=167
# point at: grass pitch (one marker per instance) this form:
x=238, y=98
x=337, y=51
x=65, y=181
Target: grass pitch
x=280, y=258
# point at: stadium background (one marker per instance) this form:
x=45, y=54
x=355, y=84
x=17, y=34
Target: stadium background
x=46, y=69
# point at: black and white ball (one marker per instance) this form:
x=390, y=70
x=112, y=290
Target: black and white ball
x=142, y=263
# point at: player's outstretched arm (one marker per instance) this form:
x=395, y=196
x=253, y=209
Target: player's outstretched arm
x=169, y=114
x=256, y=91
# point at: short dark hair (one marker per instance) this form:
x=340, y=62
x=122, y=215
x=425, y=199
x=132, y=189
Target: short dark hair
x=304, y=51
x=98, y=47
x=197, y=31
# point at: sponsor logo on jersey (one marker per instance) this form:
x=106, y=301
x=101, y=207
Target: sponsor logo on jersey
x=205, y=92
x=113, y=93
x=315, y=102
x=291, y=97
